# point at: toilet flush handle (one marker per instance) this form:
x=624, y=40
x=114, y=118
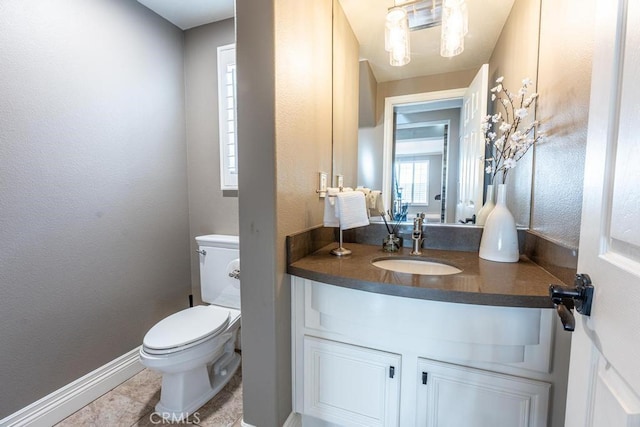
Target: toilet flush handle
x=235, y=274
x=201, y=251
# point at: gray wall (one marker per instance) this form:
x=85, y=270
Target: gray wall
x=210, y=209
x=255, y=58
x=94, y=230
x=284, y=133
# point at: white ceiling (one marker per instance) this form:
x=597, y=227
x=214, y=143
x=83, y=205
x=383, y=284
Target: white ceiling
x=367, y=17
x=186, y=14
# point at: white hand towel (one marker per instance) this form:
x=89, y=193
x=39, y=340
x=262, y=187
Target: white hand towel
x=331, y=209
x=352, y=210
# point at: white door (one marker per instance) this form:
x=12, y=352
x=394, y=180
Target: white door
x=472, y=146
x=604, y=374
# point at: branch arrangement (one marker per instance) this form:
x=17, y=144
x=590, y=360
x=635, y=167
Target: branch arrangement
x=502, y=134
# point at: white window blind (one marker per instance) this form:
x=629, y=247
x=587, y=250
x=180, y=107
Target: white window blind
x=227, y=117
x=413, y=178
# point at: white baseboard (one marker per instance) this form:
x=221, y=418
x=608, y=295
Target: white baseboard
x=293, y=420
x=63, y=402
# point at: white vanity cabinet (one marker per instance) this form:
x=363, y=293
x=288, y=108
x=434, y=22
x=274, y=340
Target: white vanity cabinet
x=368, y=359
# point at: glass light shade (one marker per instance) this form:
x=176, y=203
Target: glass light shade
x=452, y=36
x=394, y=27
x=397, y=36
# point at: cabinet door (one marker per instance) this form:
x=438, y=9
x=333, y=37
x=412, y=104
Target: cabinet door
x=350, y=385
x=452, y=396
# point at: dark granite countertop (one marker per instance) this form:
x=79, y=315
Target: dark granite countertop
x=521, y=284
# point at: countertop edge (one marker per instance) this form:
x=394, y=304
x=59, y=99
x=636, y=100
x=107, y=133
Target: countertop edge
x=475, y=298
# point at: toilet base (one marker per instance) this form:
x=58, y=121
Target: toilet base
x=182, y=394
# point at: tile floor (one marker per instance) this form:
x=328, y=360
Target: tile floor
x=132, y=402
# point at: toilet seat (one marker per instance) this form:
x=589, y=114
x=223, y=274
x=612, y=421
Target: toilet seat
x=185, y=329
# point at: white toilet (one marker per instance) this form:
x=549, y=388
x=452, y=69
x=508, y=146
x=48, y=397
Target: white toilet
x=195, y=348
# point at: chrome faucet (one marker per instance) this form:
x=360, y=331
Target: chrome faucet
x=416, y=235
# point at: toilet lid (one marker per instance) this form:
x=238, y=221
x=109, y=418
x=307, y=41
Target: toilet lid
x=187, y=326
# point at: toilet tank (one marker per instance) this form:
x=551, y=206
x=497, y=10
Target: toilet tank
x=219, y=257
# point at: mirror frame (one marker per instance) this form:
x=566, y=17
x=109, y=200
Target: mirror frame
x=387, y=145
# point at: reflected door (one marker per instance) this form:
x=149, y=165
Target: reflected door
x=472, y=147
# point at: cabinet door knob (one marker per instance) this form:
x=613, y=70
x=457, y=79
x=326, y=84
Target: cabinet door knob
x=392, y=371
x=425, y=375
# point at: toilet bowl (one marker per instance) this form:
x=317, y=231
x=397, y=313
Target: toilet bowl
x=194, y=349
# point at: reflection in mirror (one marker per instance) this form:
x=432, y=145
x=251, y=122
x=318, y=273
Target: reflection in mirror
x=345, y=101
x=422, y=152
x=417, y=169
x=503, y=34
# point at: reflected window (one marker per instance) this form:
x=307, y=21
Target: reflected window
x=413, y=180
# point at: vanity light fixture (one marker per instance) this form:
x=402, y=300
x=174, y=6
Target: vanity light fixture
x=413, y=15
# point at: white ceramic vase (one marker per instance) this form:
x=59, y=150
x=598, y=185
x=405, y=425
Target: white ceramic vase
x=483, y=213
x=500, y=238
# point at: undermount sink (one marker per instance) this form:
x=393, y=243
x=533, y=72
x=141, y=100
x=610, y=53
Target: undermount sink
x=416, y=266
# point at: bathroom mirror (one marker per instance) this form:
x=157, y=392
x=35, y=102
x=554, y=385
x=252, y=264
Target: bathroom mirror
x=502, y=34
x=345, y=100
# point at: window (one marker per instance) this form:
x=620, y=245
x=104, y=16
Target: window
x=227, y=117
x=413, y=179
